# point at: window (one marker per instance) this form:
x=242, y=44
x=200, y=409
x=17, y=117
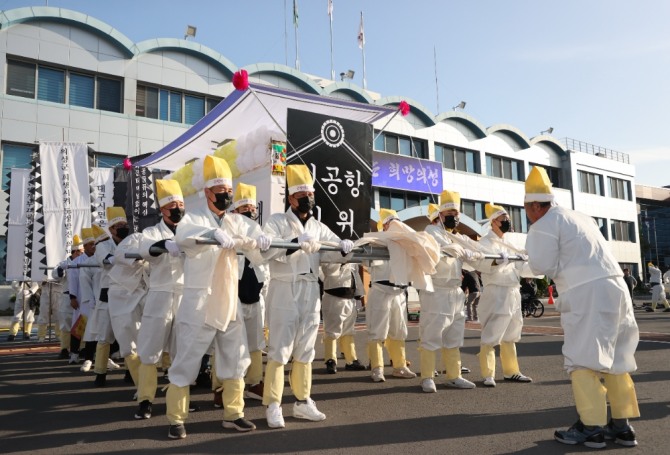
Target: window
x=401, y=145
x=108, y=161
x=506, y=168
x=172, y=105
x=14, y=156
x=35, y=81
x=623, y=231
x=457, y=159
x=602, y=225
x=398, y=200
x=473, y=209
x=21, y=79
x=590, y=183
x=554, y=174
x=620, y=189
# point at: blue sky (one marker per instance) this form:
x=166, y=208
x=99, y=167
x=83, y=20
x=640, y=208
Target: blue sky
x=596, y=71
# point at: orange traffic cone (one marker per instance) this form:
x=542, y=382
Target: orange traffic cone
x=550, y=289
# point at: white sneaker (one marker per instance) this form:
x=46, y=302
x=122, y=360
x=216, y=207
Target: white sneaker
x=307, y=411
x=404, y=373
x=378, y=374
x=459, y=383
x=518, y=378
x=74, y=358
x=112, y=365
x=274, y=416
x=428, y=385
x=489, y=382
x=86, y=367
x=116, y=355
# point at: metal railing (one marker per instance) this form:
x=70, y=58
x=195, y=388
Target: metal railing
x=584, y=147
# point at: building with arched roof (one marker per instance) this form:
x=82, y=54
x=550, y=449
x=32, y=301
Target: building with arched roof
x=68, y=76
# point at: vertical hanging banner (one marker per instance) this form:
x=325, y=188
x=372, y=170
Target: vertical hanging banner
x=140, y=203
x=339, y=155
x=102, y=194
x=66, y=201
x=17, y=224
x=33, y=255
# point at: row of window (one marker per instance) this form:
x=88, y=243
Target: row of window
x=593, y=184
x=96, y=91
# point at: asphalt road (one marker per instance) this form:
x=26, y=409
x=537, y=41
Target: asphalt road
x=49, y=407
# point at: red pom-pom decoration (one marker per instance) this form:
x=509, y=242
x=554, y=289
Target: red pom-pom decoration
x=241, y=80
x=127, y=165
x=403, y=107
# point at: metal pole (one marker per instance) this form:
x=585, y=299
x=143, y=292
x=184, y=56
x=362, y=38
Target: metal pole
x=23, y=296
x=50, y=311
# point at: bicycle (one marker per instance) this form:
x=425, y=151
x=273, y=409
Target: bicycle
x=530, y=306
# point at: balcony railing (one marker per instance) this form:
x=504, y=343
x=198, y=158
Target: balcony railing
x=584, y=147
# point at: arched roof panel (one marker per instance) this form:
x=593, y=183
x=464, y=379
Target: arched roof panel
x=477, y=129
x=512, y=132
x=189, y=47
x=357, y=93
x=425, y=116
x=287, y=73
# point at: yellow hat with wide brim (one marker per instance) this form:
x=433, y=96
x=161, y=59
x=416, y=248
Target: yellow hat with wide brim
x=99, y=233
x=77, y=244
x=494, y=211
x=87, y=235
x=168, y=191
x=433, y=211
x=244, y=195
x=386, y=215
x=450, y=200
x=115, y=215
x=217, y=172
x=298, y=178
x=538, y=186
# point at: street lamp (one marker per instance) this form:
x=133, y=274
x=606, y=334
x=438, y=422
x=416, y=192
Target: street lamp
x=348, y=75
x=190, y=31
x=460, y=105
x=548, y=131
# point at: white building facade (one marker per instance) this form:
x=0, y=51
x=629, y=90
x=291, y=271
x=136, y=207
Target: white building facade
x=68, y=76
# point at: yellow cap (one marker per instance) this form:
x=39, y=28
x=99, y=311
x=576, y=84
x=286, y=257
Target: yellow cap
x=115, y=215
x=244, y=194
x=450, y=200
x=298, y=178
x=650, y=264
x=99, y=233
x=386, y=215
x=217, y=172
x=87, y=235
x=168, y=191
x=538, y=186
x=433, y=211
x=494, y=211
x=77, y=244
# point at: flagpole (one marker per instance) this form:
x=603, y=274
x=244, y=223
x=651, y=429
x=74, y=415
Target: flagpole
x=330, y=14
x=365, y=82
x=437, y=88
x=285, y=36
x=295, y=22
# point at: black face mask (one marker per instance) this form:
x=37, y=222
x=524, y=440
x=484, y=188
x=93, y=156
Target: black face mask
x=505, y=226
x=122, y=232
x=450, y=222
x=176, y=214
x=250, y=214
x=223, y=200
x=305, y=204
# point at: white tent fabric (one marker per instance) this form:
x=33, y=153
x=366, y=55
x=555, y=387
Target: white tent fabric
x=241, y=112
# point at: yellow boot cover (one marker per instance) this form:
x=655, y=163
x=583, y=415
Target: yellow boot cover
x=348, y=348
x=376, y=354
x=452, y=362
x=101, y=357
x=487, y=360
x=427, y=359
x=301, y=379
x=590, y=397
x=329, y=348
x=508, y=359
x=147, y=382
x=133, y=365
x=255, y=371
x=233, y=399
x=273, y=388
x=622, y=396
x=176, y=402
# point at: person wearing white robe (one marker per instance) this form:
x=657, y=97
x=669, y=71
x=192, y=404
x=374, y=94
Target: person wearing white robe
x=442, y=322
x=166, y=284
x=657, y=289
x=83, y=286
x=24, y=291
x=293, y=298
x=210, y=312
x=500, y=303
x=64, y=309
x=127, y=292
x=600, y=331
